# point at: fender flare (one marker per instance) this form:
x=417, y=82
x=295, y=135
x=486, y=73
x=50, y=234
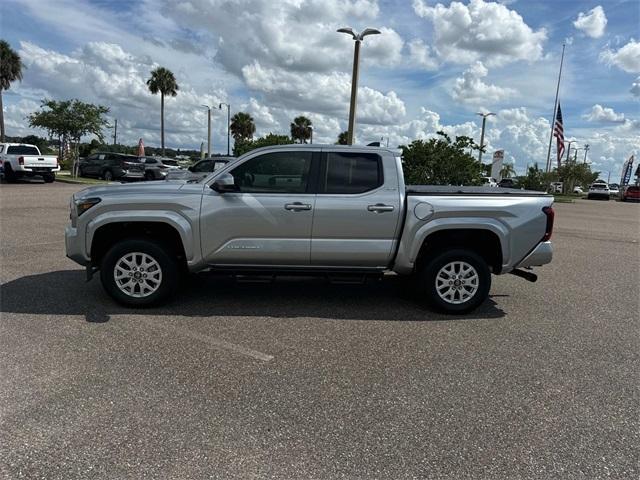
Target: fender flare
x=175, y=220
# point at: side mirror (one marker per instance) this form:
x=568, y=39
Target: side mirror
x=224, y=183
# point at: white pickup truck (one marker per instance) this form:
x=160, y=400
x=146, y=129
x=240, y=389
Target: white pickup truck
x=23, y=160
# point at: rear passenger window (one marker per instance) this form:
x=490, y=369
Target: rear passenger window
x=348, y=172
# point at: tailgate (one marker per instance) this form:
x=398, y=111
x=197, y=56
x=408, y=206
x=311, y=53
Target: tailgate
x=39, y=161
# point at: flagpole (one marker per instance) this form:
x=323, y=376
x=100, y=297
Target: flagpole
x=555, y=110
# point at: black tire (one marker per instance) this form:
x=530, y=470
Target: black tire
x=168, y=269
x=107, y=175
x=81, y=172
x=9, y=175
x=49, y=178
x=428, y=276
x=149, y=176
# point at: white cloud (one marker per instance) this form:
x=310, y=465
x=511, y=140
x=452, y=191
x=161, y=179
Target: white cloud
x=420, y=55
x=289, y=34
x=626, y=58
x=599, y=113
x=104, y=73
x=592, y=23
x=481, y=30
x=472, y=90
x=322, y=93
x=635, y=88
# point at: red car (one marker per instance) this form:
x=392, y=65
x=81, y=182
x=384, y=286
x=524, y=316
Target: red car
x=631, y=194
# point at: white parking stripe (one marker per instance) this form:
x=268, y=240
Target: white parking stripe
x=213, y=342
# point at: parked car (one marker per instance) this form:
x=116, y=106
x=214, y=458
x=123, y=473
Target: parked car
x=331, y=210
x=598, y=190
x=578, y=190
x=156, y=168
x=489, y=182
x=24, y=160
x=111, y=166
x=200, y=169
x=631, y=193
x=614, y=190
x=507, y=183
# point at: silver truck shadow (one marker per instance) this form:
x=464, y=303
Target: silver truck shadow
x=65, y=292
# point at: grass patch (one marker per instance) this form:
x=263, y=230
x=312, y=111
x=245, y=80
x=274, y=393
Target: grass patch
x=565, y=198
x=65, y=177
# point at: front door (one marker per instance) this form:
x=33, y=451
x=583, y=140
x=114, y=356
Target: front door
x=268, y=220
x=357, y=211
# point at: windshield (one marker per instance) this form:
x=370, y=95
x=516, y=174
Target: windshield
x=22, y=150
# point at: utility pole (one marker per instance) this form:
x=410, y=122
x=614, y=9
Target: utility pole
x=555, y=111
x=115, y=132
x=484, y=122
x=311, y=129
x=354, y=76
x=586, y=150
x=228, y=126
x=208, y=130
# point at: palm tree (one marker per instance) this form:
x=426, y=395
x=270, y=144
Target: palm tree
x=10, y=71
x=242, y=127
x=162, y=80
x=343, y=138
x=301, y=129
x=507, y=170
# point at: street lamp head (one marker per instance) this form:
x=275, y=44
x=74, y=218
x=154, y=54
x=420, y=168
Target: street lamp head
x=206, y=106
x=348, y=31
x=368, y=31
x=485, y=114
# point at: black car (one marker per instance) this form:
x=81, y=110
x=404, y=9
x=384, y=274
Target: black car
x=507, y=183
x=199, y=169
x=156, y=168
x=111, y=166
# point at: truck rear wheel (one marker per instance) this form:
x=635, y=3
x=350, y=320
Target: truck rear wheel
x=139, y=272
x=9, y=175
x=455, y=281
x=49, y=177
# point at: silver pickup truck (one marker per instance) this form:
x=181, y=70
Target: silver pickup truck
x=331, y=210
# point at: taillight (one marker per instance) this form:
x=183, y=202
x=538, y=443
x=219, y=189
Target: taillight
x=548, y=211
x=21, y=160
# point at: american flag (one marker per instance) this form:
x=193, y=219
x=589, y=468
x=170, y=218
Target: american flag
x=558, y=132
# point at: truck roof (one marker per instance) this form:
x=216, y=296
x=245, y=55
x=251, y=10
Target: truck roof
x=319, y=146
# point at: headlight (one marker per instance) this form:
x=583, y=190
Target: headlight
x=84, y=205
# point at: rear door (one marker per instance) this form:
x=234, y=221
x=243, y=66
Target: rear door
x=268, y=221
x=357, y=211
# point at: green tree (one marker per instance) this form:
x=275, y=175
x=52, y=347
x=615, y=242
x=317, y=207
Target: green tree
x=242, y=127
x=342, y=138
x=441, y=161
x=573, y=173
x=507, y=170
x=301, y=129
x=243, y=146
x=70, y=120
x=162, y=80
x=10, y=71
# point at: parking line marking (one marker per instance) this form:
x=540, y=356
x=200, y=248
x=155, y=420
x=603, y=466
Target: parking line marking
x=214, y=342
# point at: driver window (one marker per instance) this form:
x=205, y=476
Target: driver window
x=202, y=166
x=278, y=172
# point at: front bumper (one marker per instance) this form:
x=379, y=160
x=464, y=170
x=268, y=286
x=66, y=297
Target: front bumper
x=541, y=255
x=75, y=246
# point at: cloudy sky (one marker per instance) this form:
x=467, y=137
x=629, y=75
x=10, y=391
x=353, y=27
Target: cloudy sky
x=435, y=65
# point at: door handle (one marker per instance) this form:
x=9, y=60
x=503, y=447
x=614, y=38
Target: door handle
x=380, y=207
x=297, y=206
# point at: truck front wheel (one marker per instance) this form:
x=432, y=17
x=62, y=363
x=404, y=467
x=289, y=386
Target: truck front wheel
x=139, y=272
x=455, y=281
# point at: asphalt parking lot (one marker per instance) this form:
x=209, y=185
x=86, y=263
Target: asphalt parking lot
x=300, y=379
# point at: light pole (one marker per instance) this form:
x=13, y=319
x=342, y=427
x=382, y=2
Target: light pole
x=115, y=130
x=575, y=154
x=586, y=150
x=228, y=125
x=311, y=130
x=569, y=147
x=484, y=122
x=354, y=76
x=208, y=130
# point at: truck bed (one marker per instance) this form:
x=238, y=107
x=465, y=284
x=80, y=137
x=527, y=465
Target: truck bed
x=470, y=191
